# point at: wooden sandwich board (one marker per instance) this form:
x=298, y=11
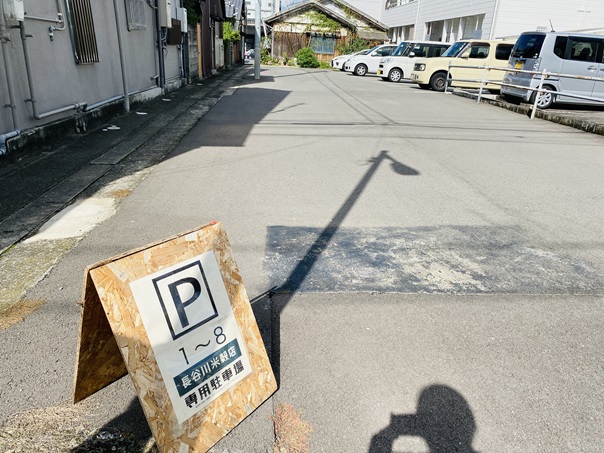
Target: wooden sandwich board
x=176, y=317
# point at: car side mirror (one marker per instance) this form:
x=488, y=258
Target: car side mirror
x=411, y=54
x=466, y=54
x=374, y=54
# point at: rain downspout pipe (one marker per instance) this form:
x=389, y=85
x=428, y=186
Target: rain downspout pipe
x=160, y=49
x=4, y=40
x=495, y=11
x=32, y=99
x=122, y=60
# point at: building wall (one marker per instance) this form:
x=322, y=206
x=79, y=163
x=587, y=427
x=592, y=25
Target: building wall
x=59, y=82
x=267, y=8
x=516, y=16
x=418, y=13
x=456, y=18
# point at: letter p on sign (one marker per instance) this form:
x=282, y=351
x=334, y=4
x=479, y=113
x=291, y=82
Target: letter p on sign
x=185, y=298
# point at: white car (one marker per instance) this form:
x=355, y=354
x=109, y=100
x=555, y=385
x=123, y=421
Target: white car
x=368, y=63
x=338, y=62
x=399, y=65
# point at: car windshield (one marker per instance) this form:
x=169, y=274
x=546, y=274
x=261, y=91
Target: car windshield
x=401, y=49
x=417, y=49
x=455, y=49
x=528, y=46
x=408, y=50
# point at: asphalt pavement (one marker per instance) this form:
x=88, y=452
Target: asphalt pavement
x=426, y=272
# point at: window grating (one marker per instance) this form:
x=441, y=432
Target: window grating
x=83, y=28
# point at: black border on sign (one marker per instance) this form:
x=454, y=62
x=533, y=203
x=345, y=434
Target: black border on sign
x=163, y=307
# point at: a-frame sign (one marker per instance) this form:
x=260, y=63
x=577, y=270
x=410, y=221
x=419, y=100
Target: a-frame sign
x=176, y=317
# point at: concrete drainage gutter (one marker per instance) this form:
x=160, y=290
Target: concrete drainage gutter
x=591, y=121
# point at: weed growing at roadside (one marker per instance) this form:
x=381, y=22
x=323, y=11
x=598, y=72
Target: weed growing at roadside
x=292, y=434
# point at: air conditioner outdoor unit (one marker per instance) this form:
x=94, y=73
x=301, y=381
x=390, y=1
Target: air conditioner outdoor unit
x=14, y=10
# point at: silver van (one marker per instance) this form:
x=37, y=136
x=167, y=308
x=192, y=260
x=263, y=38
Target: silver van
x=575, y=54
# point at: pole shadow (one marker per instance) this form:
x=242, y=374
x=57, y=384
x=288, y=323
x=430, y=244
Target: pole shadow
x=279, y=297
x=267, y=309
x=443, y=419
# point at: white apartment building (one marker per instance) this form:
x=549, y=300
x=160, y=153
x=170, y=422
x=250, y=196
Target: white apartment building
x=450, y=20
x=267, y=8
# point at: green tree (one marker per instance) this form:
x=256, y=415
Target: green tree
x=192, y=17
x=229, y=34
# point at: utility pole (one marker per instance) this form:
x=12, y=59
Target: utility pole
x=257, y=40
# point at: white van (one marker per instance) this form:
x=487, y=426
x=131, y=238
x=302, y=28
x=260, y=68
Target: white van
x=564, y=53
x=399, y=65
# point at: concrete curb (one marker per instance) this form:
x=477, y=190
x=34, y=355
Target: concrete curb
x=554, y=117
x=29, y=219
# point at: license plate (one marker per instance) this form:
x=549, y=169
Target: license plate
x=519, y=65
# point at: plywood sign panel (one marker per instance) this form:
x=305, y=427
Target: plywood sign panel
x=182, y=321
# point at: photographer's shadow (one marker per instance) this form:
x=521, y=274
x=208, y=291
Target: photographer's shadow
x=443, y=420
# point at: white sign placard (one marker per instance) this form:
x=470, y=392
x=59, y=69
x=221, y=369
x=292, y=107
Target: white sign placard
x=190, y=323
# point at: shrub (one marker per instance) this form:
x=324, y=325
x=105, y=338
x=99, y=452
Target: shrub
x=306, y=58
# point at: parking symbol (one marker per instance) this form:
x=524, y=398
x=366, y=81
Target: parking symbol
x=185, y=298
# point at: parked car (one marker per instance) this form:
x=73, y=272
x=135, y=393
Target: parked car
x=368, y=63
x=431, y=73
x=564, y=53
x=339, y=61
x=399, y=65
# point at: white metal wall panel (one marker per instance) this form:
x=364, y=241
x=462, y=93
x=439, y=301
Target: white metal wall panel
x=400, y=15
x=432, y=10
x=437, y=10
x=516, y=16
x=512, y=16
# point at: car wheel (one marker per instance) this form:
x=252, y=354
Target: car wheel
x=545, y=100
x=395, y=75
x=438, y=81
x=360, y=70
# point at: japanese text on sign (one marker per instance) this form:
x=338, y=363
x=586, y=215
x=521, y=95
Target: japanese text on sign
x=193, y=332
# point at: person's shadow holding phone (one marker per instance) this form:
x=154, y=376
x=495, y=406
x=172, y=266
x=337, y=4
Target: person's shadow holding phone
x=443, y=419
